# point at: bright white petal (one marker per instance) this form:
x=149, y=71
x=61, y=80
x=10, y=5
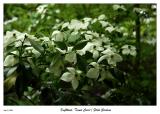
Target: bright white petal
x=71, y=70
x=108, y=52
x=88, y=37
x=125, y=51
x=65, y=25
x=133, y=52
x=95, y=54
x=71, y=57
x=67, y=77
x=102, y=58
x=104, y=23
x=95, y=65
x=125, y=46
x=101, y=17
x=10, y=60
x=110, y=29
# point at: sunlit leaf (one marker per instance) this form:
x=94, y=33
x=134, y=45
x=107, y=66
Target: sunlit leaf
x=36, y=53
x=36, y=45
x=93, y=73
x=56, y=65
x=11, y=70
x=105, y=74
x=73, y=38
x=80, y=44
x=10, y=82
x=71, y=57
x=75, y=83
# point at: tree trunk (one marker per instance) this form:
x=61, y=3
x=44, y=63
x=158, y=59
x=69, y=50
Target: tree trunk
x=138, y=42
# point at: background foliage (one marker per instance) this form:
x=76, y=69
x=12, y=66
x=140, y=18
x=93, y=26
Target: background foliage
x=80, y=54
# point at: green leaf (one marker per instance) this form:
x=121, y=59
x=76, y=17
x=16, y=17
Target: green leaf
x=75, y=83
x=67, y=77
x=117, y=58
x=66, y=35
x=73, y=38
x=35, y=69
x=56, y=65
x=108, y=93
x=10, y=82
x=58, y=36
x=21, y=102
x=11, y=70
x=36, y=45
x=80, y=44
x=133, y=52
x=93, y=73
x=71, y=57
x=57, y=68
x=106, y=75
x=97, y=27
x=82, y=62
x=61, y=45
x=36, y=53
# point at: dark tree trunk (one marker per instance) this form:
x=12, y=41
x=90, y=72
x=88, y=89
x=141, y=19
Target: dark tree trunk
x=138, y=42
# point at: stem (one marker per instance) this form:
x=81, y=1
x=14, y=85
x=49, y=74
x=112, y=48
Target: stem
x=21, y=50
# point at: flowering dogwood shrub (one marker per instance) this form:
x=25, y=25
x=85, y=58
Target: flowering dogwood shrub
x=76, y=58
